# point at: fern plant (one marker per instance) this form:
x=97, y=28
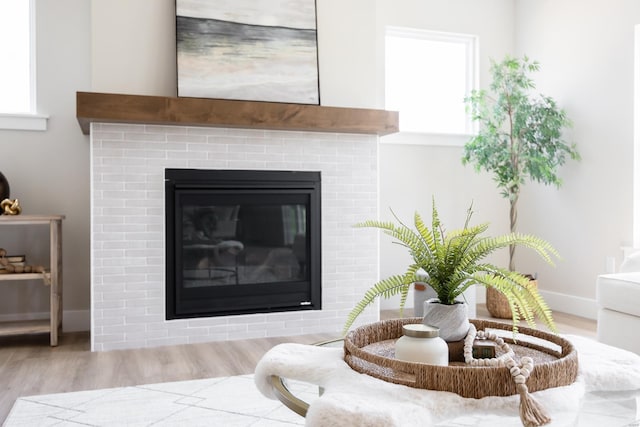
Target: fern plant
x=453, y=262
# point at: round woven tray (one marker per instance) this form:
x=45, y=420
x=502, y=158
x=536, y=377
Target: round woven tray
x=369, y=349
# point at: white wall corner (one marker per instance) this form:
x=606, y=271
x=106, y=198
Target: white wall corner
x=76, y=320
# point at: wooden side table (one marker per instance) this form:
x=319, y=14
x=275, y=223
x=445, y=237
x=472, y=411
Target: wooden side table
x=51, y=277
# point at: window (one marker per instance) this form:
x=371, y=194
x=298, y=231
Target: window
x=17, y=74
x=427, y=76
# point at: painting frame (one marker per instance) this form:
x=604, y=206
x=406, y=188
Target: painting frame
x=248, y=50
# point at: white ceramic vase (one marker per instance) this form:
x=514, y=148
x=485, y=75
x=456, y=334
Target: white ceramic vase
x=453, y=320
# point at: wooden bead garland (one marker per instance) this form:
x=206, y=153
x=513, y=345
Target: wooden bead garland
x=9, y=268
x=531, y=413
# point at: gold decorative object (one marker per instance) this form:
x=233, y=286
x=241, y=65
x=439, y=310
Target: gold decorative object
x=10, y=207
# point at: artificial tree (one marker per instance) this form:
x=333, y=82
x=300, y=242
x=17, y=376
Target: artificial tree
x=520, y=134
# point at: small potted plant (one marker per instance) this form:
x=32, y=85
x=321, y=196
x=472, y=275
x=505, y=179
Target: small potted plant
x=454, y=261
x=520, y=138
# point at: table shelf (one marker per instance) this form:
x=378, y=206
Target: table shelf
x=25, y=327
x=52, y=278
x=46, y=277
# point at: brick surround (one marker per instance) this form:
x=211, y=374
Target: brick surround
x=127, y=227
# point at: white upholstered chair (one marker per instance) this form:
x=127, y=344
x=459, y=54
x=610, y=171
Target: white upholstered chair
x=618, y=299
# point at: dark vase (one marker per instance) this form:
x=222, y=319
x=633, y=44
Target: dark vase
x=4, y=187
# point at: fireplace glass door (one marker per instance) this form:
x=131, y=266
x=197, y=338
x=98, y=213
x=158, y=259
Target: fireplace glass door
x=242, y=242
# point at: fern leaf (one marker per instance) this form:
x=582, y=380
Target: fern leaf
x=385, y=288
x=453, y=262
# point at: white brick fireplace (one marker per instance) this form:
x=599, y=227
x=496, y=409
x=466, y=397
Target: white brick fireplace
x=127, y=227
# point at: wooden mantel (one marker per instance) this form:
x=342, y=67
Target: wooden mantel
x=160, y=110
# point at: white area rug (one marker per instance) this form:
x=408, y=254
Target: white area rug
x=226, y=401
x=235, y=401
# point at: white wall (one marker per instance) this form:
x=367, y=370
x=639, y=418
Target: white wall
x=411, y=174
x=133, y=47
x=49, y=171
x=134, y=50
x=347, y=54
x=350, y=42
x=586, y=53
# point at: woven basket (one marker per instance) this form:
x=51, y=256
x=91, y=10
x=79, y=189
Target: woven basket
x=367, y=351
x=498, y=305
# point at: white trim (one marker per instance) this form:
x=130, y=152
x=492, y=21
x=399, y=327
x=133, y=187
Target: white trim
x=23, y=122
x=416, y=33
x=636, y=137
x=570, y=304
x=419, y=138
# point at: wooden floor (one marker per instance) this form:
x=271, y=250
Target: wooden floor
x=29, y=366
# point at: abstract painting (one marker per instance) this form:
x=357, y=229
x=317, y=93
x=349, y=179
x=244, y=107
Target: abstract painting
x=258, y=50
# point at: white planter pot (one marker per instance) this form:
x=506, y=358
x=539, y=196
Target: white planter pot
x=453, y=320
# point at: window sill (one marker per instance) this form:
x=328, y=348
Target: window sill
x=418, y=138
x=33, y=122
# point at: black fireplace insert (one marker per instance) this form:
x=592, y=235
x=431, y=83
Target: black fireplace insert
x=241, y=241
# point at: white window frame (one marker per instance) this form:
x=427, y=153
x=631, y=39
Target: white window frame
x=470, y=43
x=30, y=120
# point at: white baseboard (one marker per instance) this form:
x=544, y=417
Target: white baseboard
x=72, y=320
x=570, y=304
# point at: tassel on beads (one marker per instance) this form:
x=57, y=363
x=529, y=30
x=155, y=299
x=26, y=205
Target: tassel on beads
x=531, y=413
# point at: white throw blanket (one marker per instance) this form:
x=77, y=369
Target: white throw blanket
x=355, y=399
